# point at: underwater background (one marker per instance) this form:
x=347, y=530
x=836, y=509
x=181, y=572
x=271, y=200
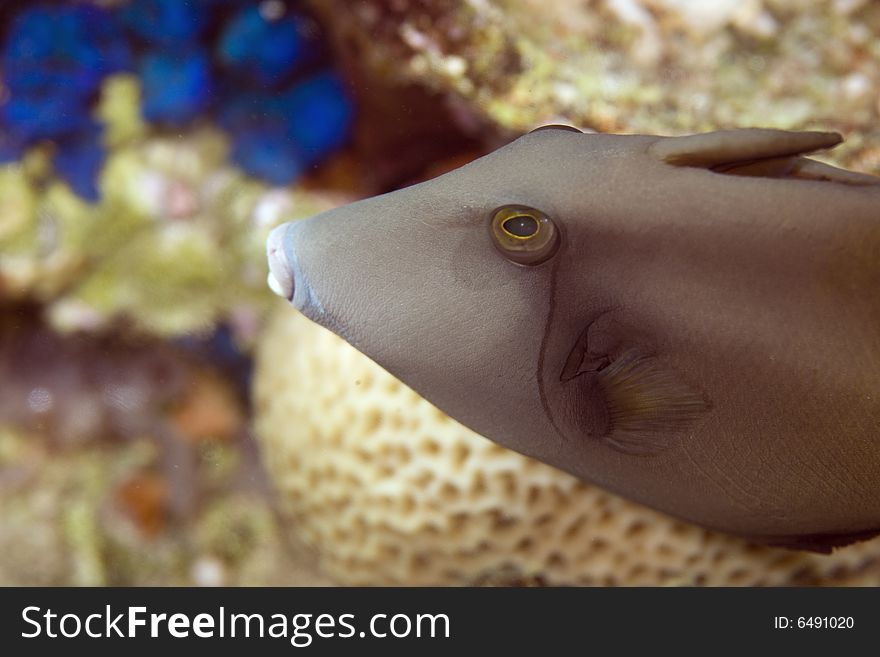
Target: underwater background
x=165, y=419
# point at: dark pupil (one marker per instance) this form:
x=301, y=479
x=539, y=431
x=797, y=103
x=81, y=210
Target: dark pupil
x=521, y=226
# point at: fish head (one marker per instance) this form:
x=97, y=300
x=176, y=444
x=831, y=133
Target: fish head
x=449, y=284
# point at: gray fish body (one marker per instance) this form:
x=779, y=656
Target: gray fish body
x=703, y=337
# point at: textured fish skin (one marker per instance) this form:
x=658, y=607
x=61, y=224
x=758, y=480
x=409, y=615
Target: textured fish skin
x=705, y=340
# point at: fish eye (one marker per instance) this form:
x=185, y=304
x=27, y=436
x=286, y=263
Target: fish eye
x=521, y=226
x=524, y=235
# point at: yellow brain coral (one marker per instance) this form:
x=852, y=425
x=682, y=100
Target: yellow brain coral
x=389, y=490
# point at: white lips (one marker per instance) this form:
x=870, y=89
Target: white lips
x=280, y=277
x=275, y=286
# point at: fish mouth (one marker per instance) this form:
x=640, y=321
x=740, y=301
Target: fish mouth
x=280, y=277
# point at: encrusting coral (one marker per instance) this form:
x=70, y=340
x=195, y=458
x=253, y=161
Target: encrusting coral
x=138, y=143
x=641, y=66
x=175, y=244
x=98, y=516
x=389, y=490
x=128, y=461
x=52, y=62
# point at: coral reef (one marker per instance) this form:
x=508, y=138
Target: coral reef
x=389, y=490
x=113, y=217
x=128, y=462
x=192, y=61
x=175, y=244
x=98, y=515
x=650, y=66
x=53, y=60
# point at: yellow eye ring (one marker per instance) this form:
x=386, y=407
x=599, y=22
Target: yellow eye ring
x=524, y=235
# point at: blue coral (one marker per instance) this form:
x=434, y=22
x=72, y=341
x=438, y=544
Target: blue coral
x=261, y=47
x=54, y=59
x=62, y=51
x=276, y=136
x=269, y=155
x=166, y=22
x=12, y=147
x=78, y=160
x=320, y=115
x=177, y=85
x=30, y=118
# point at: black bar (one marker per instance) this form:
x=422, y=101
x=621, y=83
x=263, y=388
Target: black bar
x=511, y=620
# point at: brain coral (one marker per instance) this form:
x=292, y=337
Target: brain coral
x=389, y=490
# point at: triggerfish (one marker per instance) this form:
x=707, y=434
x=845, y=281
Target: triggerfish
x=690, y=322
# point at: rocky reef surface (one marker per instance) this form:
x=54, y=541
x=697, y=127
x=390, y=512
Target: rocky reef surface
x=647, y=66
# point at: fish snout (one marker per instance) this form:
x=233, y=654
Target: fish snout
x=281, y=279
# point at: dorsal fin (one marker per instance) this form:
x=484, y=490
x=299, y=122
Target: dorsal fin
x=556, y=126
x=799, y=167
x=727, y=147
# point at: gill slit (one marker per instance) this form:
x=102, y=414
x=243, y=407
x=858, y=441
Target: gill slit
x=551, y=309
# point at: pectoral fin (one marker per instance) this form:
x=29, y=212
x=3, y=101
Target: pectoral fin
x=637, y=404
x=648, y=404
